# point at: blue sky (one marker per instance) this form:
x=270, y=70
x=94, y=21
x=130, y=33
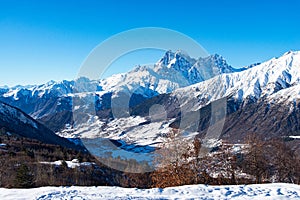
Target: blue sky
x=49, y=40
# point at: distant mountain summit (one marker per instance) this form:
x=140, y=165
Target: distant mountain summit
x=193, y=70
x=174, y=70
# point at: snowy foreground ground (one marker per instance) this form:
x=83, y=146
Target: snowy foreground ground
x=263, y=191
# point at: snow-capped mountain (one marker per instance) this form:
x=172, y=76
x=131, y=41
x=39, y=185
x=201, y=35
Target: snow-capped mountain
x=263, y=99
x=175, y=82
x=173, y=71
x=253, y=95
x=253, y=84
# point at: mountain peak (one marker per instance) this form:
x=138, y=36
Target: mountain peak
x=291, y=52
x=171, y=57
x=215, y=58
x=166, y=59
x=213, y=65
x=182, y=53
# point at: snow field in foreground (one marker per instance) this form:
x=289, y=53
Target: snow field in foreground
x=259, y=191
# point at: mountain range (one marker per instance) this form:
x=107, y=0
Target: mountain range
x=142, y=106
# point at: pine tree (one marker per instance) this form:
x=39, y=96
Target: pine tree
x=24, y=177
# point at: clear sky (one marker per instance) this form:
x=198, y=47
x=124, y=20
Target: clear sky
x=48, y=40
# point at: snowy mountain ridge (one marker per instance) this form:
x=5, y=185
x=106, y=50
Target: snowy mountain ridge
x=8, y=112
x=255, y=83
x=14, y=121
x=152, y=77
x=173, y=71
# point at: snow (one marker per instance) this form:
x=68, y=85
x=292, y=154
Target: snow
x=277, y=79
x=177, y=70
x=6, y=110
x=254, y=192
x=71, y=164
x=173, y=71
x=26, y=120
x=12, y=93
x=134, y=134
x=3, y=145
x=259, y=81
x=130, y=129
x=295, y=137
x=290, y=94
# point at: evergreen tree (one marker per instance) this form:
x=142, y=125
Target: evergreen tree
x=24, y=177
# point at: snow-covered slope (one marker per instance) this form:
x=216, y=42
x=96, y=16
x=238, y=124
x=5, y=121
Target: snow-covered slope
x=14, y=121
x=253, y=84
x=263, y=191
x=286, y=95
x=8, y=113
x=134, y=131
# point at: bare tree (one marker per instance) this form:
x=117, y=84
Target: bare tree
x=285, y=162
x=256, y=159
x=173, y=162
